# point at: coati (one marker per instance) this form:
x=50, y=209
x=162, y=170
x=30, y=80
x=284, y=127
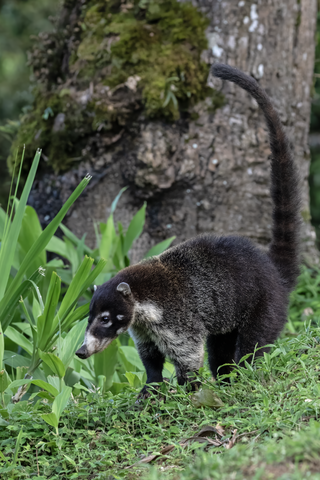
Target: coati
x=222, y=289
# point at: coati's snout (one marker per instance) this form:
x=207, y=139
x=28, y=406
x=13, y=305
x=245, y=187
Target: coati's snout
x=82, y=352
x=111, y=313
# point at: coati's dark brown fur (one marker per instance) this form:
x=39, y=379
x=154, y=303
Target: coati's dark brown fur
x=220, y=289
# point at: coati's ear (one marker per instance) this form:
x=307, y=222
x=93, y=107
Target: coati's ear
x=124, y=288
x=95, y=288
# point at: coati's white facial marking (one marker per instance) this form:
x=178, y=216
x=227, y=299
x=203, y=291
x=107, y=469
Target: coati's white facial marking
x=94, y=344
x=120, y=317
x=107, y=325
x=104, y=315
x=148, y=312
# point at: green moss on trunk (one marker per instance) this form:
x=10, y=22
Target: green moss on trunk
x=143, y=55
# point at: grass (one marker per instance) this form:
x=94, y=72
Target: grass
x=273, y=405
x=263, y=425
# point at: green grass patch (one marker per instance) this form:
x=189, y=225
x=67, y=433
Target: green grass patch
x=272, y=405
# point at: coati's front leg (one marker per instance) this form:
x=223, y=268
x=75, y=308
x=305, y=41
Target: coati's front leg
x=153, y=361
x=188, y=359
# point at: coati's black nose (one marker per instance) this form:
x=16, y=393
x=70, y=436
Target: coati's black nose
x=82, y=352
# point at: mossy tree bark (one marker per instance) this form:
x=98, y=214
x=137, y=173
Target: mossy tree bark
x=210, y=174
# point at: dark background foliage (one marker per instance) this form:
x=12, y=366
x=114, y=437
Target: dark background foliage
x=20, y=20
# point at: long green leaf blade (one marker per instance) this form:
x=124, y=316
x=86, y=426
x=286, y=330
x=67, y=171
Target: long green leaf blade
x=54, y=363
x=50, y=230
x=39, y=383
x=9, y=243
x=159, y=247
x=9, y=305
x=61, y=400
x=135, y=229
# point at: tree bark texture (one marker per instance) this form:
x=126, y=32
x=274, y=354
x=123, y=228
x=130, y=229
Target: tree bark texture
x=212, y=174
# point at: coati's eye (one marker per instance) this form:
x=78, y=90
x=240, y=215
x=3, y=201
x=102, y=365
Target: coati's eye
x=105, y=317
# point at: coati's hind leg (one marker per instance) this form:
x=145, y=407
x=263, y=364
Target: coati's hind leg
x=221, y=350
x=262, y=328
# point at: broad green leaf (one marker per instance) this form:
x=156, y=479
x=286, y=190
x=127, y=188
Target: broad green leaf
x=39, y=383
x=168, y=370
x=78, y=314
x=101, y=381
x=206, y=398
x=10, y=239
x=61, y=400
x=1, y=347
x=118, y=387
x=21, y=372
x=54, y=363
x=55, y=382
x=119, y=257
x=108, y=239
x=71, y=342
x=58, y=246
x=29, y=233
x=14, y=360
x=71, y=236
x=3, y=220
x=135, y=228
x=4, y=380
x=19, y=339
x=75, y=288
x=159, y=247
x=39, y=245
x=24, y=327
x=9, y=307
x=89, y=280
x=45, y=324
x=130, y=359
x=105, y=363
x=136, y=379
x=51, y=419
x=71, y=377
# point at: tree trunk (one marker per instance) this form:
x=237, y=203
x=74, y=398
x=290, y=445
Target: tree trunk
x=212, y=174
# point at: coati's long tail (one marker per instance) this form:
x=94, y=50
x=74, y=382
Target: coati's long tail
x=284, y=247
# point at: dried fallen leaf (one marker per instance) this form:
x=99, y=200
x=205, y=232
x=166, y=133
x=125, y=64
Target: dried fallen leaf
x=201, y=437
x=152, y=457
x=206, y=398
x=220, y=429
x=209, y=430
x=232, y=440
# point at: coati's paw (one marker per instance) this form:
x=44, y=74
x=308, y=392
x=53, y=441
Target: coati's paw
x=143, y=395
x=195, y=385
x=148, y=390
